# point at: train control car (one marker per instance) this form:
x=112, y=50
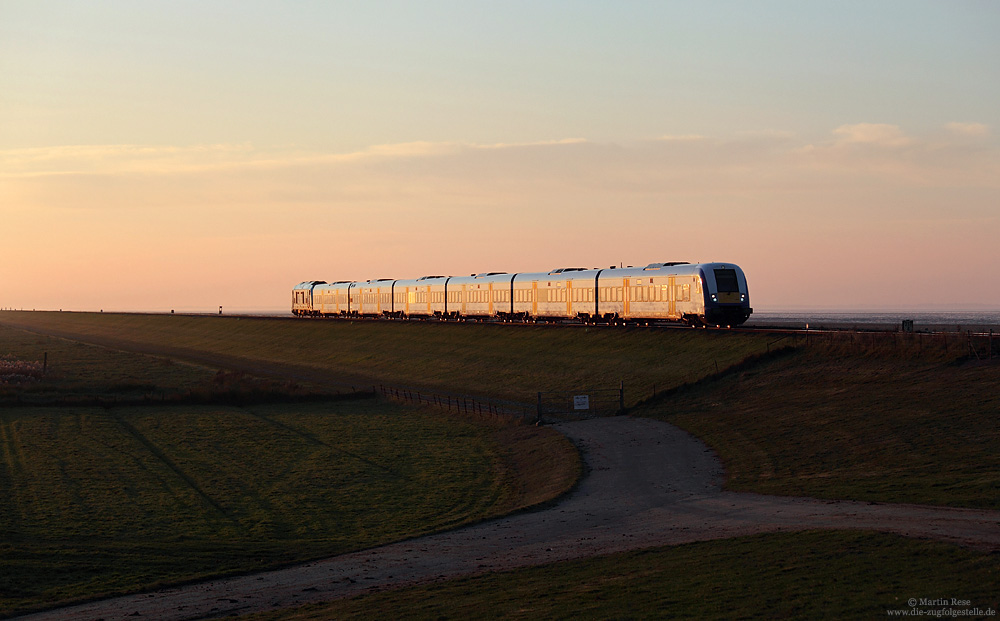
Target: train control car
x=303, y=298
x=696, y=294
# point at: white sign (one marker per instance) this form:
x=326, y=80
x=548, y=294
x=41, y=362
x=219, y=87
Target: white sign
x=581, y=402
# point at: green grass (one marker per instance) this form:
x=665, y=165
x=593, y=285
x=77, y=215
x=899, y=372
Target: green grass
x=876, y=428
x=62, y=371
x=809, y=575
x=101, y=501
x=511, y=361
x=76, y=369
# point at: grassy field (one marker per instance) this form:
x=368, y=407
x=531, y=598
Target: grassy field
x=807, y=575
x=864, y=427
x=74, y=370
x=100, y=500
x=513, y=362
x=837, y=420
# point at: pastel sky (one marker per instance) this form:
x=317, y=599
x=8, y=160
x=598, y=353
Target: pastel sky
x=187, y=155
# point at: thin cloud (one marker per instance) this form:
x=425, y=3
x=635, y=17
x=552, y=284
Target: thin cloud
x=682, y=138
x=879, y=134
x=968, y=129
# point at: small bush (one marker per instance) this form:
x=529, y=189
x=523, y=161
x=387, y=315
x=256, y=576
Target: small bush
x=13, y=371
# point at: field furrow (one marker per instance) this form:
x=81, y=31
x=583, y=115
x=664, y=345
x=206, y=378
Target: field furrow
x=207, y=501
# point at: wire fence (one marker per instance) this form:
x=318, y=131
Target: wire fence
x=479, y=407
x=550, y=406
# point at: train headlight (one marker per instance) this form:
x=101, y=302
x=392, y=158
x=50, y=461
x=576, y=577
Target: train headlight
x=715, y=298
x=743, y=297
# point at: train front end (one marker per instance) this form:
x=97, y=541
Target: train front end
x=727, y=301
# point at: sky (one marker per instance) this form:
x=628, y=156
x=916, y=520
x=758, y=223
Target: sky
x=188, y=155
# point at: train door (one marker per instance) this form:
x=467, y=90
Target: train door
x=534, y=298
x=672, y=293
x=625, y=298
x=569, y=298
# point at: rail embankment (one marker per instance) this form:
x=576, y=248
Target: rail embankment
x=500, y=361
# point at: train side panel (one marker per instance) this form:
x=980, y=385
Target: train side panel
x=480, y=296
x=423, y=297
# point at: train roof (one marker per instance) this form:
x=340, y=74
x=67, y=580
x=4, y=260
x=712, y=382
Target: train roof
x=566, y=273
x=656, y=266
x=309, y=284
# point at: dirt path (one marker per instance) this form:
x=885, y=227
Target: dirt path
x=649, y=484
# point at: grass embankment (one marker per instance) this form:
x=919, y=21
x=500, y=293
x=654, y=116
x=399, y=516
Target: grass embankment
x=510, y=361
x=830, y=424
x=101, y=500
x=809, y=575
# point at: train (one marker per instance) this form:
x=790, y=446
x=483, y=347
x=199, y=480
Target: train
x=697, y=294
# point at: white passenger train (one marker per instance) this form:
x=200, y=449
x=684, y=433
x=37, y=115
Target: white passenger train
x=696, y=294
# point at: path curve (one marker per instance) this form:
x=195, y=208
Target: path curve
x=649, y=484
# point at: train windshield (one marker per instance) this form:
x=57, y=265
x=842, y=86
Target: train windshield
x=725, y=281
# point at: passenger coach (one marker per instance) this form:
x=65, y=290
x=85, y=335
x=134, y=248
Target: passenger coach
x=696, y=294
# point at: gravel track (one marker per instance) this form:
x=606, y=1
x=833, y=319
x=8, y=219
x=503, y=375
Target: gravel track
x=649, y=483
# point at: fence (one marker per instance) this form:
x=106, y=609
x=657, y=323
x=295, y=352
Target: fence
x=483, y=407
x=555, y=406
x=549, y=407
